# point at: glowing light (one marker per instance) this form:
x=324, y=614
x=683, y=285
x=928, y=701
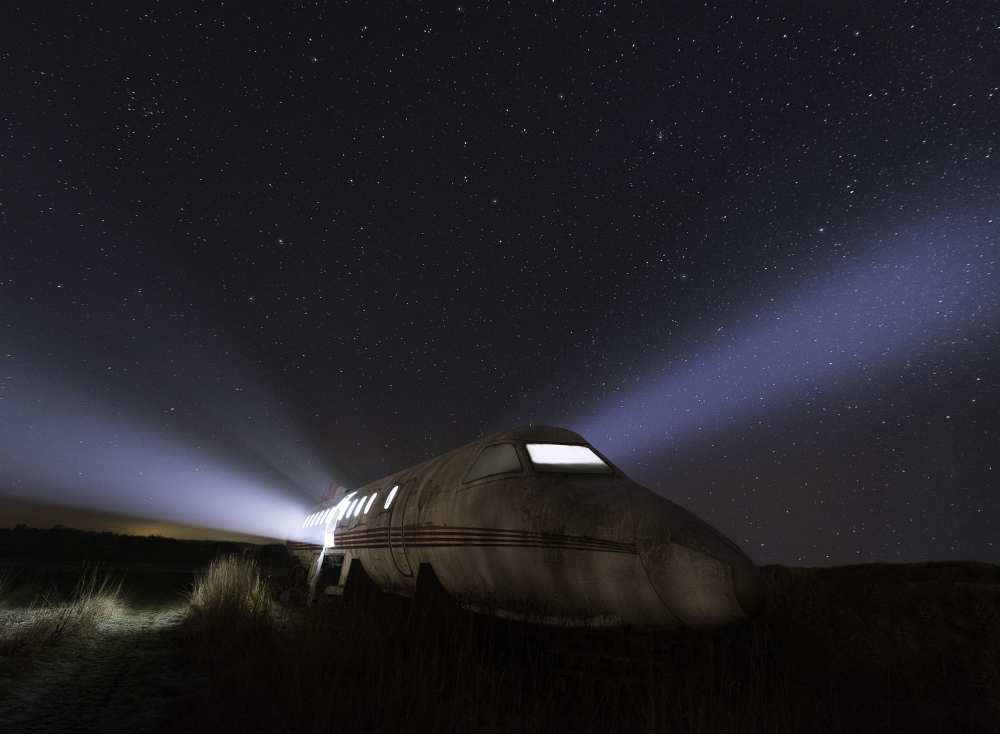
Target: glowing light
x=561, y=457
x=370, y=502
x=357, y=510
x=350, y=508
x=343, y=508
x=555, y=453
x=390, y=498
x=115, y=456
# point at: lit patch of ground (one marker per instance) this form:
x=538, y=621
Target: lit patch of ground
x=122, y=675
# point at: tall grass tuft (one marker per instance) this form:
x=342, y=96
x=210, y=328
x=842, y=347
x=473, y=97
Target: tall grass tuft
x=95, y=598
x=231, y=597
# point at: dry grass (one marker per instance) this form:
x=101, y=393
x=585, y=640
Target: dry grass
x=49, y=619
x=232, y=585
x=383, y=664
x=231, y=598
x=833, y=653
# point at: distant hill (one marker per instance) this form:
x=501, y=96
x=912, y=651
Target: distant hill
x=59, y=543
x=19, y=510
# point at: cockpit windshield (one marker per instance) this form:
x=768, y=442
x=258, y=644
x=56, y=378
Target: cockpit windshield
x=566, y=458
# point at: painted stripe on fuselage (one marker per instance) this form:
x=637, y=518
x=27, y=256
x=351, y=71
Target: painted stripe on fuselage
x=416, y=536
x=295, y=545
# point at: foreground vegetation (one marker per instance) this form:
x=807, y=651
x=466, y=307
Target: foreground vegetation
x=53, y=617
x=861, y=648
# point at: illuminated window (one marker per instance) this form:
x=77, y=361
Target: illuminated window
x=306, y=521
x=370, y=502
x=312, y=519
x=560, y=457
x=326, y=516
x=499, y=459
x=357, y=510
x=350, y=508
x=391, y=497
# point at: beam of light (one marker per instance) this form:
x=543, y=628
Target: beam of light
x=920, y=297
x=66, y=445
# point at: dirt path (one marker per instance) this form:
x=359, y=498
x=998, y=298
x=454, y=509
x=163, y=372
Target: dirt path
x=125, y=676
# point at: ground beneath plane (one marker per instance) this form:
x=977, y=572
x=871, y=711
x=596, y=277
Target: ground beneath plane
x=125, y=675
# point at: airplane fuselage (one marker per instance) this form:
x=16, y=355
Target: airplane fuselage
x=534, y=524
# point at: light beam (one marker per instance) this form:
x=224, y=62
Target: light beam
x=64, y=444
x=906, y=300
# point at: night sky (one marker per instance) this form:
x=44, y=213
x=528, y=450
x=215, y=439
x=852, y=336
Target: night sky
x=749, y=252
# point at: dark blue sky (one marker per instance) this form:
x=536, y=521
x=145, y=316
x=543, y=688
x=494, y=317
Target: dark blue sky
x=749, y=251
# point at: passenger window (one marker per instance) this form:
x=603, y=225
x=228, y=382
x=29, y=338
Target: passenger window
x=499, y=459
x=391, y=497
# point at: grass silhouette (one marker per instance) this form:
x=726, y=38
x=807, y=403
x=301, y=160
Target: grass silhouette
x=876, y=647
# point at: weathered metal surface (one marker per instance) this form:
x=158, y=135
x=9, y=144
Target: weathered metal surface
x=566, y=549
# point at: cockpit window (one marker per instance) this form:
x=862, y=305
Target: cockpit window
x=571, y=459
x=498, y=459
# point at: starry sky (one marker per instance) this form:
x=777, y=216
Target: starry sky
x=749, y=252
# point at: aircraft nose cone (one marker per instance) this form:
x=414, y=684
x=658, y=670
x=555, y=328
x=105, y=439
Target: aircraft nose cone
x=700, y=575
x=749, y=589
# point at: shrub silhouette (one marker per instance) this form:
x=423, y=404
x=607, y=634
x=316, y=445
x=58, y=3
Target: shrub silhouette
x=231, y=599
